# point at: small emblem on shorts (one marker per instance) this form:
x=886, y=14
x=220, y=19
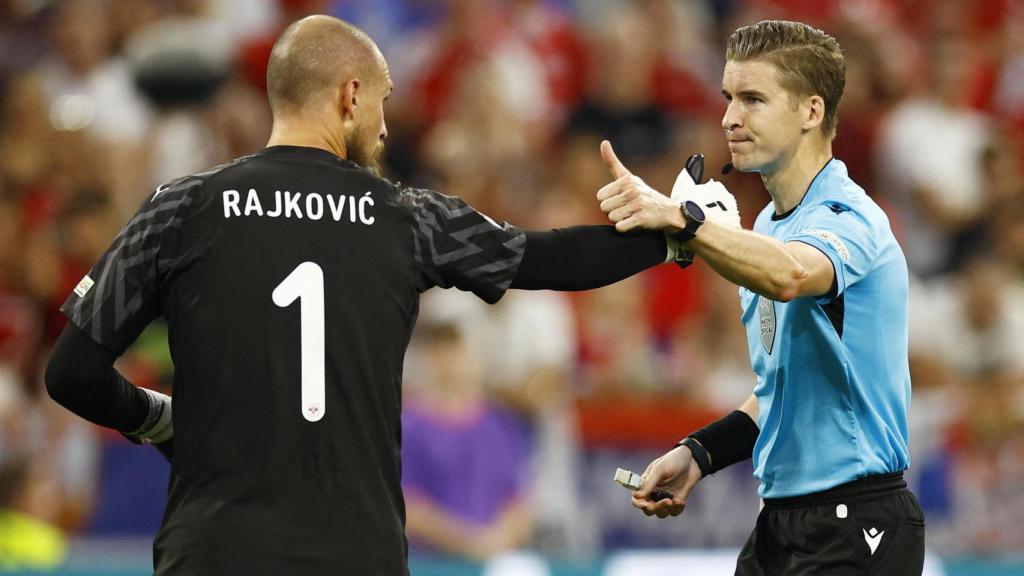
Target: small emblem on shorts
x=873, y=537
x=766, y=314
x=842, y=511
x=83, y=286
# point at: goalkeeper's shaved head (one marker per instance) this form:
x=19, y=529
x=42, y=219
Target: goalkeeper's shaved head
x=327, y=82
x=313, y=57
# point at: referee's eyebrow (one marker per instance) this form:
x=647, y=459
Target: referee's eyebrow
x=753, y=93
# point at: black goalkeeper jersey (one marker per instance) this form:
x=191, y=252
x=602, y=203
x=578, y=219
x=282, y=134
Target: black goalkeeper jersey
x=290, y=282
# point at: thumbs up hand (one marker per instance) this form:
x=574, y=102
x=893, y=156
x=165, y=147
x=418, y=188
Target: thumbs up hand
x=633, y=205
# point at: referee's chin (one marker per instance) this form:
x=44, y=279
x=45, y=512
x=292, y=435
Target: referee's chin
x=744, y=165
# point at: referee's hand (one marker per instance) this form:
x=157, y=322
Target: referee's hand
x=676, y=473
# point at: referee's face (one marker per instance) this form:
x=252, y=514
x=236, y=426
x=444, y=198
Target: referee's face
x=762, y=122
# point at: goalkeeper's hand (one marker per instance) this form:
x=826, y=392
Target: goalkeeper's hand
x=158, y=429
x=718, y=203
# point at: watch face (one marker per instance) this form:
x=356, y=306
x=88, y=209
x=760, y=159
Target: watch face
x=695, y=211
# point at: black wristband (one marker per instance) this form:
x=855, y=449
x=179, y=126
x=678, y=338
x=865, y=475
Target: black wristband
x=700, y=455
x=726, y=441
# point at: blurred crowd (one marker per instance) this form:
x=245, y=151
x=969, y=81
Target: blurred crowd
x=513, y=409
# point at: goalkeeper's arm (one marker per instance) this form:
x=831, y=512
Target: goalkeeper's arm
x=81, y=377
x=586, y=257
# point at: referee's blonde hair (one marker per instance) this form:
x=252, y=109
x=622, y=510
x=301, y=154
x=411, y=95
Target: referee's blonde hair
x=809, y=61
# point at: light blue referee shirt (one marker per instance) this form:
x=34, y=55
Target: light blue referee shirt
x=833, y=382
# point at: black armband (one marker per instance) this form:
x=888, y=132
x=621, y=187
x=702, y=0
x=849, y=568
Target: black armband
x=723, y=443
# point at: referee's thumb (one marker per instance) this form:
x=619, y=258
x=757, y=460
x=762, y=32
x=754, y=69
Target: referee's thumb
x=648, y=482
x=615, y=166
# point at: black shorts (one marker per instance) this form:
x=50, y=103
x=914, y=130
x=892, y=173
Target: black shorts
x=869, y=527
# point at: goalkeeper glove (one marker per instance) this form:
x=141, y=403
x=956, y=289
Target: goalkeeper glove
x=718, y=204
x=158, y=428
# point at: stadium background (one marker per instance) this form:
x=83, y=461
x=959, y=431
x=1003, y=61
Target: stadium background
x=504, y=102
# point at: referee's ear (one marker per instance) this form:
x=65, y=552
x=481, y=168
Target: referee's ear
x=813, y=109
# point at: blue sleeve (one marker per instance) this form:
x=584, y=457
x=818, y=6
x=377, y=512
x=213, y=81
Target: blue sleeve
x=845, y=234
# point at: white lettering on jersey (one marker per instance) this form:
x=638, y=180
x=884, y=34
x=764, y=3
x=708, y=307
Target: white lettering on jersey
x=300, y=205
x=231, y=199
x=277, y=205
x=252, y=204
x=291, y=204
x=314, y=206
x=337, y=205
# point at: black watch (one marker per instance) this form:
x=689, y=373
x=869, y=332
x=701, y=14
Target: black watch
x=693, y=215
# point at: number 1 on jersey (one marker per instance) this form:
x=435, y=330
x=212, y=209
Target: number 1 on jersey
x=307, y=282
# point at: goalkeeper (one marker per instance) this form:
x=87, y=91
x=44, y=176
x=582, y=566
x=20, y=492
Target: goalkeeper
x=823, y=291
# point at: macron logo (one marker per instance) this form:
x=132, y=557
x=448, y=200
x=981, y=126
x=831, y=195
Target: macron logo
x=873, y=538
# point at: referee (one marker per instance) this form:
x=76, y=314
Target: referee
x=824, y=292
x=290, y=282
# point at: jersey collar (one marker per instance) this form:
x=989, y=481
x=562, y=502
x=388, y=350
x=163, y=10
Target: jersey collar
x=305, y=152
x=813, y=187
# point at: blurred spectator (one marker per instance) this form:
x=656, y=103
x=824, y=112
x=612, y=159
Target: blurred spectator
x=988, y=472
x=482, y=150
x=617, y=352
x=85, y=86
x=90, y=96
x=180, y=64
x=464, y=460
x=619, y=103
x=870, y=90
x=1009, y=90
x=527, y=343
x=930, y=159
x=28, y=540
x=975, y=322
x=20, y=38
x=710, y=350
x=20, y=325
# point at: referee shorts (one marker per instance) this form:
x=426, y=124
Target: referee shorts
x=869, y=527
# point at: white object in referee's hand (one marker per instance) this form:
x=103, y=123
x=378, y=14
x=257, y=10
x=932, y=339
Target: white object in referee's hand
x=627, y=479
x=631, y=480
